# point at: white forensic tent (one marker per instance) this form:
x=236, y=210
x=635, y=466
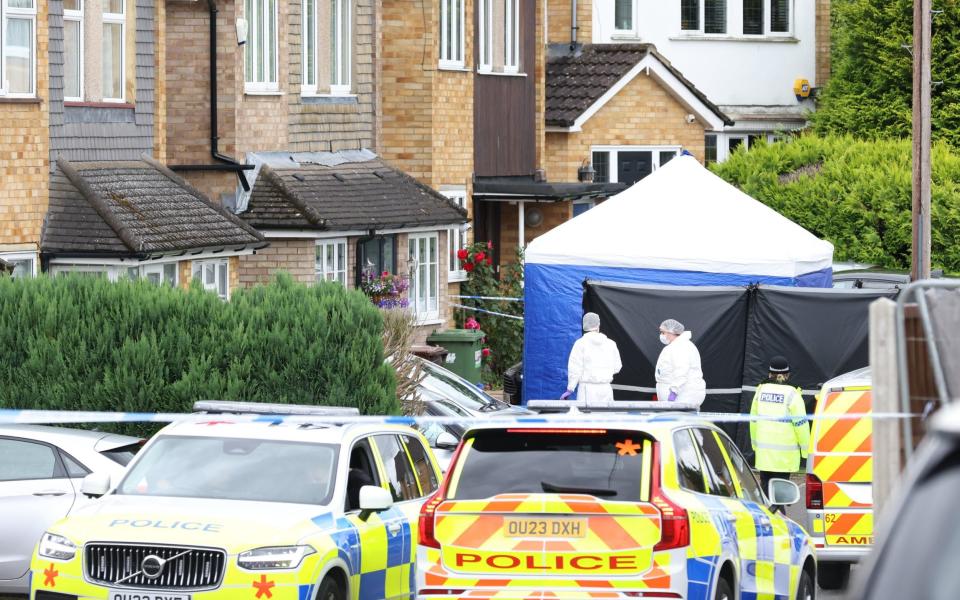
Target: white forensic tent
x=681, y=225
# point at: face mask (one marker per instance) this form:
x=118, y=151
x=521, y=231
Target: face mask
x=663, y=339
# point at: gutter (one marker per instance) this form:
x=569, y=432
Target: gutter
x=226, y=163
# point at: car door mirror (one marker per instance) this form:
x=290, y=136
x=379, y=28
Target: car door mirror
x=373, y=499
x=95, y=485
x=446, y=441
x=783, y=492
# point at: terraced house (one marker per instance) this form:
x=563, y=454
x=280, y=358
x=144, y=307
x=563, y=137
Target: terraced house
x=277, y=114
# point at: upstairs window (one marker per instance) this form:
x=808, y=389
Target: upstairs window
x=340, y=46
x=327, y=64
x=779, y=16
x=18, y=58
x=703, y=16
x=73, y=50
x=113, y=51
x=499, y=28
x=753, y=17
x=452, y=17
x=260, y=54
x=623, y=16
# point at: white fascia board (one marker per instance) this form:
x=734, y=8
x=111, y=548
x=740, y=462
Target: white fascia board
x=131, y=262
x=558, y=129
x=308, y=234
x=677, y=89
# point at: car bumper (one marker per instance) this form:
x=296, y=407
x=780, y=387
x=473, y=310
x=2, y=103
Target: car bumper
x=834, y=554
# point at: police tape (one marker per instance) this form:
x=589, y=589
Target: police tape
x=485, y=311
x=59, y=417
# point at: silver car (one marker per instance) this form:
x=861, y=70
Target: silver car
x=40, y=473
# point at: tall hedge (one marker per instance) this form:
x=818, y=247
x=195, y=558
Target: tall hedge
x=871, y=87
x=82, y=343
x=855, y=193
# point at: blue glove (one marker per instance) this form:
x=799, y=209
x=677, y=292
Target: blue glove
x=672, y=397
x=566, y=395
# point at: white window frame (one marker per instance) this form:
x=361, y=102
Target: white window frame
x=458, y=59
x=112, y=272
x=199, y=268
x=121, y=20
x=76, y=16
x=335, y=245
x=768, y=19
x=424, y=314
x=308, y=88
x=257, y=39
x=158, y=268
x=456, y=237
x=485, y=43
x=33, y=257
x=702, y=31
x=7, y=12
x=511, y=36
x=340, y=83
x=613, y=151
x=632, y=32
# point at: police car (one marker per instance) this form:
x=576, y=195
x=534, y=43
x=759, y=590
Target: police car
x=227, y=508
x=665, y=507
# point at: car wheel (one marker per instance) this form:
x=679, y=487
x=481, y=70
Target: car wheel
x=724, y=592
x=330, y=590
x=806, y=590
x=833, y=576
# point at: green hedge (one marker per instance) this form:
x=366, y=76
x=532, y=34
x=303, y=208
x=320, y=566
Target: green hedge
x=78, y=343
x=855, y=193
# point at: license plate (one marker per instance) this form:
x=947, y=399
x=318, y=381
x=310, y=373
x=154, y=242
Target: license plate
x=146, y=595
x=545, y=528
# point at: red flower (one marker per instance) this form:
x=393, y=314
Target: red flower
x=489, y=245
x=486, y=352
x=479, y=256
x=384, y=274
x=489, y=261
x=462, y=254
x=468, y=266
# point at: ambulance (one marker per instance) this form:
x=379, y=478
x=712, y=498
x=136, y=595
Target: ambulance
x=658, y=507
x=839, y=485
x=269, y=509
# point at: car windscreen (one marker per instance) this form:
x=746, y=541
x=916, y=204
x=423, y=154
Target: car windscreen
x=599, y=462
x=919, y=557
x=234, y=469
x=446, y=385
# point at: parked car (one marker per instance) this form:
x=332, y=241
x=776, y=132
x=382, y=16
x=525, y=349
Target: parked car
x=513, y=384
x=445, y=387
x=41, y=469
x=876, y=279
x=919, y=535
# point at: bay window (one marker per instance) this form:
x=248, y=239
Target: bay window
x=424, y=276
x=73, y=50
x=18, y=55
x=261, y=49
x=452, y=17
x=113, y=50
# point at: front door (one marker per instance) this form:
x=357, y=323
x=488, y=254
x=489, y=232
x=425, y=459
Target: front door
x=633, y=166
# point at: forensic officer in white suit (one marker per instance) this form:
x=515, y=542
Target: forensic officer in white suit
x=593, y=362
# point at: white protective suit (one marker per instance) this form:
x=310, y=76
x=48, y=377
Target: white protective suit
x=594, y=360
x=678, y=370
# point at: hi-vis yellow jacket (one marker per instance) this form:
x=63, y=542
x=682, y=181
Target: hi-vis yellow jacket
x=780, y=444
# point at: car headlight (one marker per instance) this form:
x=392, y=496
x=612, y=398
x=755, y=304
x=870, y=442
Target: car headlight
x=276, y=557
x=56, y=547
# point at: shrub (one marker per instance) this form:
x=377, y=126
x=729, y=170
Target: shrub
x=75, y=343
x=855, y=193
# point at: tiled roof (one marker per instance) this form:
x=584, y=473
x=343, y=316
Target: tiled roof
x=576, y=81
x=347, y=197
x=134, y=208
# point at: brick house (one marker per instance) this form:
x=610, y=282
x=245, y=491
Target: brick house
x=749, y=57
x=462, y=83
x=24, y=133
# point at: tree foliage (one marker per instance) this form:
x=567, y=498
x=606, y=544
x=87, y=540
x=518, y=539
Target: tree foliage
x=76, y=343
x=855, y=193
x=870, y=90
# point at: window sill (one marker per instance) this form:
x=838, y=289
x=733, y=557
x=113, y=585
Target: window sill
x=20, y=100
x=329, y=98
x=501, y=74
x=761, y=39
x=454, y=68
x=459, y=277
x=123, y=105
x=428, y=320
x=262, y=93
x=626, y=36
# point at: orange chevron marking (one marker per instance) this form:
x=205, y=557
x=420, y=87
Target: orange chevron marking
x=479, y=531
x=840, y=428
x=844, y=524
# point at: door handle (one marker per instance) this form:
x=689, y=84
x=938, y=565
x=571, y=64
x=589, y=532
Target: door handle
x=394, y=528
x=50, y=493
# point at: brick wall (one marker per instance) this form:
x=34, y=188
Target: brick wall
x=25, y=155
x=295, y=257
x=160, y=85
x=823, y=42
x=642, y=114
x=558, y=21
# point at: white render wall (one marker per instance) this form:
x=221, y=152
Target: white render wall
x=731, y=69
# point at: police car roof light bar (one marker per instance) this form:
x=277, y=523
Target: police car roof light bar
x=266, y=408
x=616, y=406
